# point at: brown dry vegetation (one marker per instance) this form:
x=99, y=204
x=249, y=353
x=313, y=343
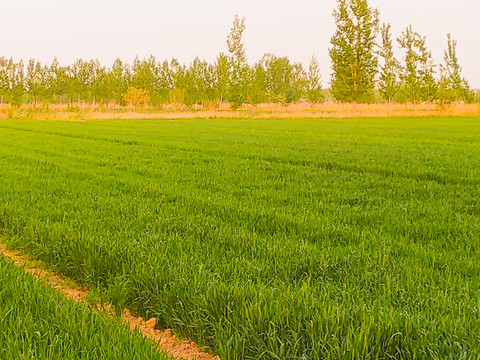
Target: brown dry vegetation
x=265, y=111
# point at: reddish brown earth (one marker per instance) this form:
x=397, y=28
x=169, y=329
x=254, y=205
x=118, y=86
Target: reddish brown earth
x=167, y=342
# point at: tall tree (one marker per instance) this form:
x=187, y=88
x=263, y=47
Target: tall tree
x=177, y=93
x=278, y=73
x=81, y=79
x=198, y=82
x=283, y=81
x=117, y=81
x=222, y=76
x=12, y=78
x=34, y=80
x=258, y=88
x=314, y=91
x=453, y=87
x=98, y=83
x=58, y=78
x=4, y=80
x=238, y=63
x=166, y=81
x=389, y=68
x=418, y=73
x=145, y=76
x=353, y=55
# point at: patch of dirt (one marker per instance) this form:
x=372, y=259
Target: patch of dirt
x=167, y=342
x=179, y=349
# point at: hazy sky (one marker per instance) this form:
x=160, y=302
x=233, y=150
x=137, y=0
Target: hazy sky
x=107, y=29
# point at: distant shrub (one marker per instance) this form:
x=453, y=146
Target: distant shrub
x=136, y=97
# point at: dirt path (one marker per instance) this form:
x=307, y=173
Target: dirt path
x=167, y=342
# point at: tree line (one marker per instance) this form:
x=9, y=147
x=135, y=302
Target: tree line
x=362, y=52
x=363, y=61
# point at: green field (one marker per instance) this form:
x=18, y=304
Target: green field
x=262, y=239
x=38, y=323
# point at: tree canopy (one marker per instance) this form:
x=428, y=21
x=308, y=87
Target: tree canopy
x=364, y=66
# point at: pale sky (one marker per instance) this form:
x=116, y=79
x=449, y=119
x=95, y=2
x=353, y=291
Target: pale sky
x=107, y=29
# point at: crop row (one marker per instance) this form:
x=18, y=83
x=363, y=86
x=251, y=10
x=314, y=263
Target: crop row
x=38, y=323
x=262, y=239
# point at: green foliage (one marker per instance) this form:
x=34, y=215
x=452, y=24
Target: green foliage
x=476, y=95
x=39, y=323
x=390, y=67
x=264, y=239
x=145, y=76
x=314, y=91
x=118, y=293
x=239, y=74
x=117, y=81
x=222, y=76
x=35, y=76
x=417, y=75
x=282, y=81
x=354, y=61
x=57, y=81
x=200, y=82
x=88, y=79
x=176, y=96
x=136, y=97
x=453, y=87
x=12, y=81
x=230, y=79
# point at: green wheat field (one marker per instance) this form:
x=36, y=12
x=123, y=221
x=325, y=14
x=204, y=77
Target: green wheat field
x=259, y=239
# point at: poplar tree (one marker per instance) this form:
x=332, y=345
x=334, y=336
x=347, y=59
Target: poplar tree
x=12, y=78
x=4, y=80
x=453, y=87
x=17, y=80
x=314, y=91
x=166, y=81
x=98, y=85
x=259, y=83
x=58, y=79
x=34, y=83
x=177, y=93
x=199, y=78
x=418, y=73
x=222, y=76
x=81, y=79
x=145, y=76
x=279, y=78
x=353, y=55
x=238, y=63
x=297, y=83
x=388, y=80
x=117, y=81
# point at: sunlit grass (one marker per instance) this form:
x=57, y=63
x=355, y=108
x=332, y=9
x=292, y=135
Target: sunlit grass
x=36, y=322
x=263, y=239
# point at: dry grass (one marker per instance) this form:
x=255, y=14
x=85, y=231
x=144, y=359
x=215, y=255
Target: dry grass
x=267, y=111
